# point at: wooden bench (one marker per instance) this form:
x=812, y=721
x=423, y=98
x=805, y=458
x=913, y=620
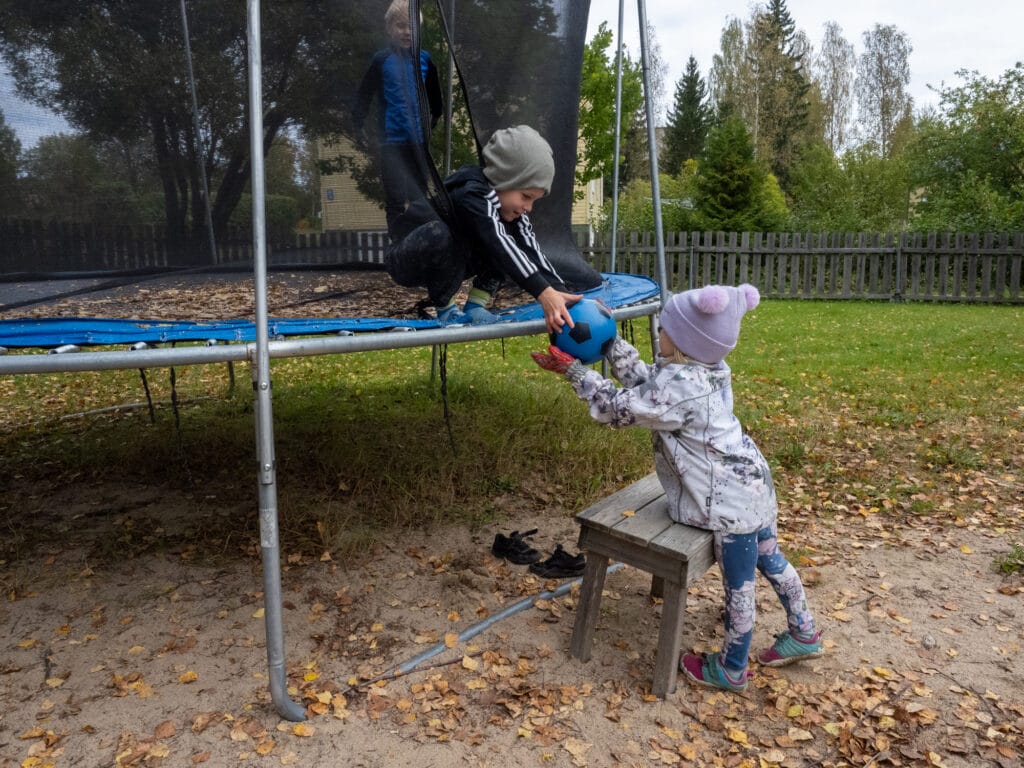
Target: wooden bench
x=632, y=526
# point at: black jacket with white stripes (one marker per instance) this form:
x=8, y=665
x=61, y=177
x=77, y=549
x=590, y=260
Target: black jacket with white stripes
x=489, y=241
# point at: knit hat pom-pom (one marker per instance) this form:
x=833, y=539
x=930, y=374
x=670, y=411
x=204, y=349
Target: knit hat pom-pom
x=751, y=295
x=712, y=300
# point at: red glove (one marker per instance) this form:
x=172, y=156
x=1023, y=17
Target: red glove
x=555, y=361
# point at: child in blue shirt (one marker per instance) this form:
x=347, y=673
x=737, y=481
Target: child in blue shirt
x=391, y=79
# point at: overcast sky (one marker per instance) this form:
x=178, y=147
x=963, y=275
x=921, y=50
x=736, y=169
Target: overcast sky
x=946, y=35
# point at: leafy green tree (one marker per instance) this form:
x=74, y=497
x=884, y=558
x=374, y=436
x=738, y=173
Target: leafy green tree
x=880, y=189
x=678, y=203
x=967, y=159
x=10, y=158
x=597, y=105
x=734, y=190
x=820, y=192
x=688, y=121
x=72, y=178
x=861, y=191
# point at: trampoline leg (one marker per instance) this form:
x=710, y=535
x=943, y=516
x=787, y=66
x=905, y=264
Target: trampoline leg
x=260, y=358
x=271, y=549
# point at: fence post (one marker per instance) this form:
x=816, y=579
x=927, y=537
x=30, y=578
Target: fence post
x=898, y=294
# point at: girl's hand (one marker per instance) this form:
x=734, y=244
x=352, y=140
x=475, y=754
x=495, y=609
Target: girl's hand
x=556, y=308
x=555, y=360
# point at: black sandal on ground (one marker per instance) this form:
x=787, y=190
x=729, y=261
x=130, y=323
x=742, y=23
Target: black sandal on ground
x=560, y=565
x=514, y=549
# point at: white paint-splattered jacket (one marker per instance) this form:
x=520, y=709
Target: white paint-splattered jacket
x=713, y=474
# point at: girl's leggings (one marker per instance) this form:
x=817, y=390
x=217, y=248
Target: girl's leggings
x=739, y=555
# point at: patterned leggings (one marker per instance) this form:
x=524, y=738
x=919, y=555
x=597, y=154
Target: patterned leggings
x=739, y=554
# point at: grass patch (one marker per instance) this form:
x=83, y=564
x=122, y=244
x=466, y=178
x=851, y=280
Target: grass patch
x=859, y=406
x=1012, y=561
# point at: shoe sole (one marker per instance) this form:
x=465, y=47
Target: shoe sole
x=787, y=660
x=708, y=684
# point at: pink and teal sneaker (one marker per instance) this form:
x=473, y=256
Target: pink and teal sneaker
x=707, y=670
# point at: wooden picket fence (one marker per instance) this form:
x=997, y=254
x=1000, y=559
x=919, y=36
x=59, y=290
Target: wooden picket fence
x=950, y=266
x=947, y=266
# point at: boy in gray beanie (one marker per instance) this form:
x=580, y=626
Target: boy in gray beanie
x=713, y=474
x=487, y=234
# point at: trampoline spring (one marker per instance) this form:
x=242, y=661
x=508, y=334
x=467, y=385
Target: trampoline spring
x=63, y=348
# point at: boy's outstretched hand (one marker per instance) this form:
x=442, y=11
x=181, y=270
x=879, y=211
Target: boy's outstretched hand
x=555, y=360
x=556, y=308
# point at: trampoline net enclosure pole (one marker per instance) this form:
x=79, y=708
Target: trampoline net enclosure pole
x=652, y=144
x=269, y=539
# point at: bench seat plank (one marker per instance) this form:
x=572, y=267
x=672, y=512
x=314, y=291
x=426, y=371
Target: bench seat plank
x=609, y=509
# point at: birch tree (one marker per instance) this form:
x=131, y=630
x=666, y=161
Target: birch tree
x=883, y=76
x=834, y=69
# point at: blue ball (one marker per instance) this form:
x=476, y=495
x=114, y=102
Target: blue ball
x=593, y=334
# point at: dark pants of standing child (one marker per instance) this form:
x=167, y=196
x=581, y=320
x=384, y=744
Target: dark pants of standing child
x=404, y=178
x=427, y=257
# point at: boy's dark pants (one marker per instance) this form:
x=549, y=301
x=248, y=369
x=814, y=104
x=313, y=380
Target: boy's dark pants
x=427, y=256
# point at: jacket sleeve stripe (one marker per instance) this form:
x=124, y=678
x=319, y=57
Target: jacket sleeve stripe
x=512, y=251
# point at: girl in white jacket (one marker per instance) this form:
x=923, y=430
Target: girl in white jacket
x=713, y=474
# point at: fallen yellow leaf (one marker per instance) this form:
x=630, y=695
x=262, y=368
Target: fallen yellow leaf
x=735, y=734
x=188, y=677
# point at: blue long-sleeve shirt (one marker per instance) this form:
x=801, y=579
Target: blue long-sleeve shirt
x=391, y=79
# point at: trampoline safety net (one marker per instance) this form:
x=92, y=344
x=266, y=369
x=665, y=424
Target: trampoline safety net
x=124, y=146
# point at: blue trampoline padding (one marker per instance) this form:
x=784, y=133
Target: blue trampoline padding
x=616, y=290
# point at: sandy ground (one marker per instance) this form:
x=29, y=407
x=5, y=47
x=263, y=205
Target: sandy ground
x=159, y=658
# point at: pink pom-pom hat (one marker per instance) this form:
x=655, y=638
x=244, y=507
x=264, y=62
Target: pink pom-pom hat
x=705, y=323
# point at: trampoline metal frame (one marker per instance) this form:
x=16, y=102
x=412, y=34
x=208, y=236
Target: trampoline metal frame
x=260, y=353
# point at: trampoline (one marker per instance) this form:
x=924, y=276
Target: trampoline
x=542, y=42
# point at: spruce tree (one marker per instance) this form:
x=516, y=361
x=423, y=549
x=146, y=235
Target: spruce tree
x=730, y=178
x=688, y=121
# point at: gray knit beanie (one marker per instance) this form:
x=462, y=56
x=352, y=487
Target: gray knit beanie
x=704, y=323
x=519, y=158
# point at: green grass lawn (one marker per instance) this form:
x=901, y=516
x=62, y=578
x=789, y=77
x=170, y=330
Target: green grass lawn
x=860, y=407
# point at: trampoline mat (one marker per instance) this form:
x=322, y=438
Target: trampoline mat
x=221, y=307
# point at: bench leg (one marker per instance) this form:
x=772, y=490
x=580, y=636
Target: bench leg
x=670, y=637
x=589, y=606
x=657, y=587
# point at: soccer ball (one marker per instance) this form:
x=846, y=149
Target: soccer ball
x=593, y=334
